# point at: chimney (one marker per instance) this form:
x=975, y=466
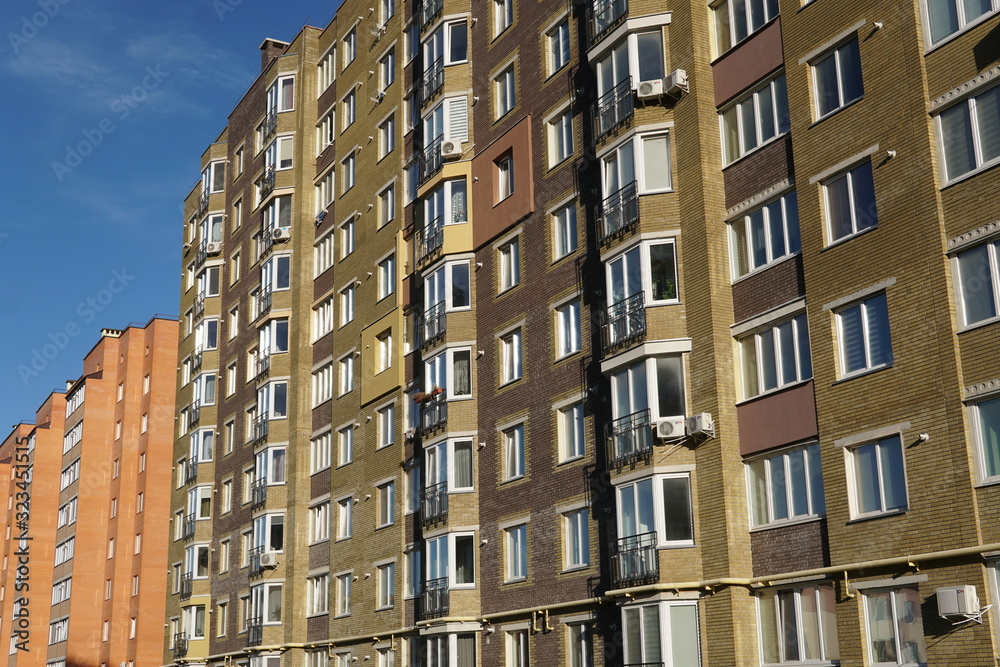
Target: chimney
x=269, y=50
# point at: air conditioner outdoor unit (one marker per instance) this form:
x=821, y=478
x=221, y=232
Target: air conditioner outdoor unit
x=450, y=148
x=957, y=601
x=701, y=424
x=648, y=90
x=213, y=248
x=670, y=427
x=269, y=560
x=281, y=233
x=676, y=82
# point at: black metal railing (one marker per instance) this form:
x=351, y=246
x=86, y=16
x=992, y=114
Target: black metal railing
x=255, y=631
x=624, y=322
x=635, y=560
x=429, y=239
x=263, y=302
x=613, y=109
x=430, y=161
x=263, y=365
x=180, y=644
x=432, y=323
x=435, y=600
x=630, y=439
x=187, y=585
x=260, y=427
x=433, y=415
x=434, y=503
x=187, y=531
x=201, y=255
x=258, y=494
x=266, y=182
x=256, y=568
x=603, y=16
x=202, y=202
x=194, y=413
x=619, y=213
x=198, y=309
x=196, y=357
x=191, y=470
x=432, y=80
x=270, y=125
x=429, y=10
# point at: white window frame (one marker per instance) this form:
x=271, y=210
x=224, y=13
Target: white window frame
x=866, y=305
x=761, y=227
x=778, y=473
x=659, y=512
x=765, y=345
x=735, y=116
x=840, y=76
x=854, y=482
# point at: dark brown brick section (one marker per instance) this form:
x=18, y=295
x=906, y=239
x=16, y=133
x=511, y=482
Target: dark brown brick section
x=768, y=289
x=777, y=419
x=544, y=380
x=790, y=548
x=758, y=170
x=749, y=62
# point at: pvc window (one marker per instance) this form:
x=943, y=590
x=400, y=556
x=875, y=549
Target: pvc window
x=776, y=357
x=798, y=625
x=345, y=445
x=652, y=632
x=877, y=478
x=985, y=417
x=787, y=486
x=765, y=235
x=755, y=120
x=735, y=20
x=978, y=281
x=449, y=463
x=865, y=340
x=894, y=627
x=659, y=505
x=946, y=17
x=452, y=556
x=970, y=133
x=850, y=202
x=281, y=95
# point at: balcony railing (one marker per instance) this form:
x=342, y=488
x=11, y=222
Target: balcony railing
x=434, y=601
x=432, y=80
x=613, y=109
x=635, y=560
x=432, y=323
x=260, y=427
x=619, y=213
x=201, y=255
x=430, y=238
x=196, y=357
x=202, y=202
x=263, y=365
x=255, y=631
x=266, y=182
x=180, y=644
x=191, y=470
x=263, y=302
x=429, y=10
x=256, y=568
x=187, y=585
x=187, y=532
x=630, y=439
x=433, y=415
x=624, y=322
x=270, y=125
x=258, y=494
x=434, y=503
x=198, y=309
x=603, y=16
x=430, y=161
x=194, y=413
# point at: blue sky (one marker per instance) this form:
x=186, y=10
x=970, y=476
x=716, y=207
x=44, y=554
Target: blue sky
x=109, y=105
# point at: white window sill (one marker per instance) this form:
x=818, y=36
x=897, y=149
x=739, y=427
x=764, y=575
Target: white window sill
x=765, y=267
x=783, y=524
x=754, y=150
x=388, y=608
x=971, y=174
x=776, y=390
x=862, y=373
x=676, y=545
x=575, y=568
x=516, y=580
x=512, y=479
x=834, y=112
x=318, y=614
x=879, y=515
x=568, y=355
x=572, y=459
x=980, y=324
x=845, y=239
x=507, y=383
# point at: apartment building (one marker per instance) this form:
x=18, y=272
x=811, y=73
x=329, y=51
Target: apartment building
x=611, y=333
x=84, y=552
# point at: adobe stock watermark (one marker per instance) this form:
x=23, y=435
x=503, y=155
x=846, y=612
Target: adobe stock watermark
x=122, y=107
x=86, y=312
x=223, y=7
x=30, y=25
